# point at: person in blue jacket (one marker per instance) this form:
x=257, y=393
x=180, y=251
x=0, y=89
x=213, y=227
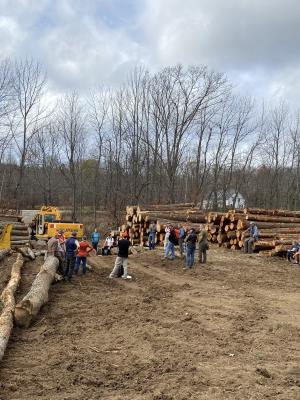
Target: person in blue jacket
x=95, y=239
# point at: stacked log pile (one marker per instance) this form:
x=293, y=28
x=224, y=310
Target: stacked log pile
x=19, y=234
x=138, y=219
x=278, y=229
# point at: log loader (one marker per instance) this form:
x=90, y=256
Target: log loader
x=49, y=220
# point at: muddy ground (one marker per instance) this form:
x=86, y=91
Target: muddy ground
x=226, y=330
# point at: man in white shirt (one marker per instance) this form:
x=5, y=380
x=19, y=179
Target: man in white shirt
x=108, y=244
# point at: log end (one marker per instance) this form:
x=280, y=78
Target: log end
x=23, y=314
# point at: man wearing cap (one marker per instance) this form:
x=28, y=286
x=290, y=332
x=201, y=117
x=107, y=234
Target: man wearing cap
x=71, y=250
x=122, y=258
x=248, y=242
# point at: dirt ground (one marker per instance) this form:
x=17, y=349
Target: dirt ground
x=226, y=330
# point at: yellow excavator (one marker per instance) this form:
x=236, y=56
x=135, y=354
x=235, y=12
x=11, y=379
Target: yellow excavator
x=48, y=221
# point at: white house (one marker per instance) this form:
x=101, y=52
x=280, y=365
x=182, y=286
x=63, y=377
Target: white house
x=233, y=200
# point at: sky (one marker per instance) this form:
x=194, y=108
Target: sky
x=88, y=43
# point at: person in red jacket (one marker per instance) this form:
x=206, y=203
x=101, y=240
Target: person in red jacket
x=83, y=250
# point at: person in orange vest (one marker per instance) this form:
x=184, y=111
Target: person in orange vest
x=83, y=250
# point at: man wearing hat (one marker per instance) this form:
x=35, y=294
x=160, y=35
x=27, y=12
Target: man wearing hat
x=248, y=242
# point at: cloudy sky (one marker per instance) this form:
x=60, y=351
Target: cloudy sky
x=83, y=43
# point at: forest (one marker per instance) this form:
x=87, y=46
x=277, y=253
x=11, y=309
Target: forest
x=175, y=135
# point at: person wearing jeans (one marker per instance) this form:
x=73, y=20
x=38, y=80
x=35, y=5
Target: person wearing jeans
x=95, y=239
x=248, y=242
x=151, y=238
x=203, y=246
x=170, y=247
x=122, y=258
x=190, y=249
x=83, y=250
x=71, y=249
x=181, y=239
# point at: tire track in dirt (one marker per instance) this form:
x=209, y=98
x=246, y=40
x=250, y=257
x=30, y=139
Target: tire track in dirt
x=166, y=334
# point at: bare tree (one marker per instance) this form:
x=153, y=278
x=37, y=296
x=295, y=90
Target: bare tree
x=98, y=103
x=30, y=113
x=70, y=126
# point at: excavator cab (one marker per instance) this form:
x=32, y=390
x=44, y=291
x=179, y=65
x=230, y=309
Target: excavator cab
x=48, y=221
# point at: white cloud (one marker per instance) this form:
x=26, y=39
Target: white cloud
x=83, y=44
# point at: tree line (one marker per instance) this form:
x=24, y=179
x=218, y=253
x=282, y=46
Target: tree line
x=179, y=134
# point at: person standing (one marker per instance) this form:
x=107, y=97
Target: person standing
x=248, y=242
x=190, y=241
x=167, y=234
x=203, y=245
x=95, y=239
x=152, y=235
x=108, y=244
x=71, y=250
x=122, y=258
x=54, y=249
x=83, y=250
x=172, y=241
x=182, y=235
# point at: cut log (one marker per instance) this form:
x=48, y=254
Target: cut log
x=38, y=293
x=231, y=234
x=243, y=224
x=282, y=213
x=273, y=218
x=8, y=301
x=4, y=253
x=263, y=245
x=162, y=207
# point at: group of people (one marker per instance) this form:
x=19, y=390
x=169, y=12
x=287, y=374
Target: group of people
x=70, y=252
x=185, y=239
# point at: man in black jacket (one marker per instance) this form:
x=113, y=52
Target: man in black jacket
x=122, y=258
x=190, y=241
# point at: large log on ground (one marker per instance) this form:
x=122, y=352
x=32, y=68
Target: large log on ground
x=263, y=245
x=8, y=301
x=38, y=293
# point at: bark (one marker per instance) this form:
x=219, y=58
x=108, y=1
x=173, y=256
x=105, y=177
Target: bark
x=38, y=293
x=8, y=300
x=164, y=207
x=4, y=253
x=272, y=218
x=243, y=224
x=282, y=213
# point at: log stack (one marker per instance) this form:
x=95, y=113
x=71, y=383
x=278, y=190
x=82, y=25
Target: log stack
x=19, y=235
x=138, y=219
x=278, y=229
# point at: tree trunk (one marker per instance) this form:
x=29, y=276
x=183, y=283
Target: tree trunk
x=38, y=294
x=8, y=300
